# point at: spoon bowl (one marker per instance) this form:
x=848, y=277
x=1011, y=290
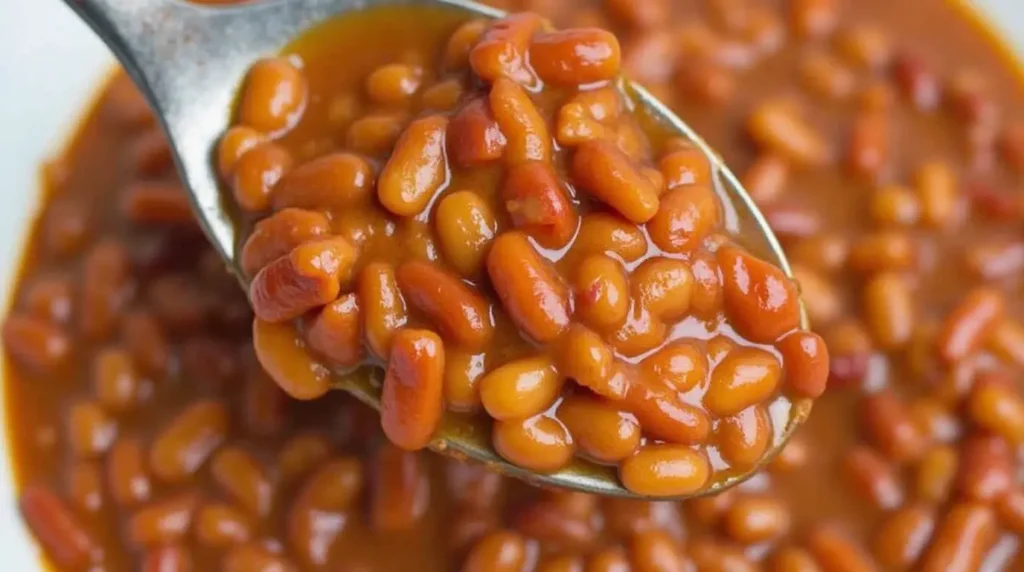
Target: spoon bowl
x=189, y=61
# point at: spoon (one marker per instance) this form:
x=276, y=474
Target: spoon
x=189, y=60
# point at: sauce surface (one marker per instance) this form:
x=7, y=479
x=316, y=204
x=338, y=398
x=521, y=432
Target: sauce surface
x=909, y=461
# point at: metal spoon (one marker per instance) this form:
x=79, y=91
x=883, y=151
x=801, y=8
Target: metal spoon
x=189, y=61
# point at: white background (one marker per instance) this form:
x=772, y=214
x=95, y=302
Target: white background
x=50, y=66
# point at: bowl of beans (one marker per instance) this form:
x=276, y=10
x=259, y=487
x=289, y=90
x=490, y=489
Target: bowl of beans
x=160, y=419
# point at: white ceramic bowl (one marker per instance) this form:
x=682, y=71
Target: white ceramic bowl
x=50, y=67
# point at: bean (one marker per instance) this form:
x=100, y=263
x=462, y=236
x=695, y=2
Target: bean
x=116, y=381
x=747, y=376
x=474, y=137
x=85, y=486
x=681, y=365
x=462, y=40
x=273, y=96
x=256, y=173
x=985, y=470
x=575, y=56
x=412, y=400
x=792, y=559
x=777, y=127
x=49, y=297
x=865, y=45
x=539, y=443
x=601, y=292
x=664, y=287
x=935, y=474
x=521, y=122
x=835, y=550
x=665, y=470
x=520, y=388
x=638, y=14
x=530, y=290
x=903, y=535
x=685, y=166
x=376, y=134
x=664, y=415
x=127, y=477
x=251, y=556
x=501, y=52
x=641, y=333
x=894, y=206
x=602, y=170
x=91, y=430
x=936, y=185
x=219, y=525
x=283, y=354
x=310, y=275
x=235, y=142
x=656, y=551
x=462, y=374
x=300, y=455
x=315, y=518
x=472, y=485
x=384, y=308
x=416, y=169
x=444, y=95
x=606, y=233
x=805, y=360
x=188, y=440
x=888, y=309
x=744, y=438
x=583, y=356
x=501, y=551
x=602, y=432
x=393, y=84
x=460, y=313
x=827, y=76
x=465, y=227
x=997, y=408
x=106, y=283
x=766, y=178
x=336, y=331
x=873, y=478
x=706, y=81
x=709, y=553
x=163, y=521
x=35, y=343
x=401, y=492
x=813, y=18
x=587, y=116
x=334, y=181
x=760, y=301
x=961, y=540
x=157, y=204
x=1010, y=510
x=753, y=519
x=242, y=477
x=170, y=558
x=890, y=427
x=57, y=528
x=536, y=200
x=966, y=327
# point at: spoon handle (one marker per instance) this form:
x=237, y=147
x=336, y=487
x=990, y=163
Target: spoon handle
x=135, y=32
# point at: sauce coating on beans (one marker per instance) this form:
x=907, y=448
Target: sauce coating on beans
x=909, y=461
x=476, y=209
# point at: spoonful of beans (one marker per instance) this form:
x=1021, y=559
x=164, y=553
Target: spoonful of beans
x=473, y=223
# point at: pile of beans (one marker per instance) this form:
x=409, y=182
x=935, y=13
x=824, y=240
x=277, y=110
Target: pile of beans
x=885, y=143
x=566, y=274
